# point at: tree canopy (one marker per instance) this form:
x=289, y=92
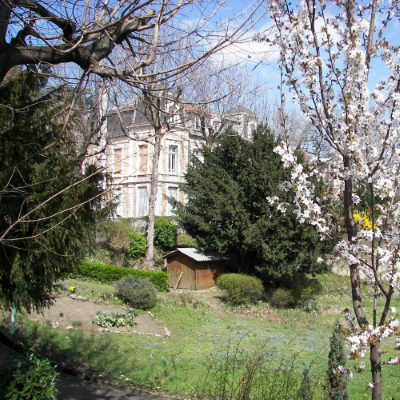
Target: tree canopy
x=47, y=204
x=228, y=209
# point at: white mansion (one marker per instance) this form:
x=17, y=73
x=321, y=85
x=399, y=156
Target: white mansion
x=129, y=152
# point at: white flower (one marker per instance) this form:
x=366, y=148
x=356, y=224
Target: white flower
x=393, y=309
x=349, y=374
x=394, y=361
x=371, y=385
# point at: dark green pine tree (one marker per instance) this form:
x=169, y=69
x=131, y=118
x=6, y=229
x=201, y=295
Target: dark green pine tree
x=228, y=210
x=336, y=382
x=48, y=206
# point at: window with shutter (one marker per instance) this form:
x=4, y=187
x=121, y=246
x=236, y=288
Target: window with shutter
x=143, y=158
x=117, y=161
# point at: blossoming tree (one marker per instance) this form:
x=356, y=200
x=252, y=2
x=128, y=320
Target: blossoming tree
x=329, y=52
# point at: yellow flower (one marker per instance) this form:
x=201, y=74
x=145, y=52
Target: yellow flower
x=364, y=219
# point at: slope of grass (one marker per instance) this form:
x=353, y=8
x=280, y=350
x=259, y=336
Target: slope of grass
x=200, y=337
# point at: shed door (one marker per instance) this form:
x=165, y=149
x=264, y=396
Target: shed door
x=176, y=266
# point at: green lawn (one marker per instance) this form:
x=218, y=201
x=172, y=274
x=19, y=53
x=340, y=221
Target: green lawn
x=192, y=358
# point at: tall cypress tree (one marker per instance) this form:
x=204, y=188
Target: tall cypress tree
x=228, y=210
x=48, y=206
x=336, y=380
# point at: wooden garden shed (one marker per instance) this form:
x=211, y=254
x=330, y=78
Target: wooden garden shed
x=191, y=268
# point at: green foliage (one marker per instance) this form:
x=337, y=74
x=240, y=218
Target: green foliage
x=117, y=234
x=110, y=273
x=165, y=234
x=311, y=306
x=307, y=291
x=228, y=210
x=241, y=289
x=139, y=293
x=185, y=240
x=76, y=324
x=33, y=379
x=48, y=206
x=262, y=373
x=336, y=381
x=306, y=391
x=137, y=245
x=301, y=295
x=115, y=320
x=281, y=298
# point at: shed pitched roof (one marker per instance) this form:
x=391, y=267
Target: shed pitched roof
x=196, y=254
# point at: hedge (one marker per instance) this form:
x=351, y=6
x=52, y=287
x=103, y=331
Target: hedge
x=111, y=273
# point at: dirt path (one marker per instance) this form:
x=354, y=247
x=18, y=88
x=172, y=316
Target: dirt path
x=67, y=312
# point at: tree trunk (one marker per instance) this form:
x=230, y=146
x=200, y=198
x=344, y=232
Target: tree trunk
x=351, y=228
x=153, y=196
x=375, y=360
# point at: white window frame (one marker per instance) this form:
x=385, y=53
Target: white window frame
x=138, y=201
x=173, y=159
x=170, y=211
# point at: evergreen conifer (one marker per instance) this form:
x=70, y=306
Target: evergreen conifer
x=48, y=206
x=336, y=376
x=228, y=210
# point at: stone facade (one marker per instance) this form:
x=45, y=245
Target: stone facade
x=130, y=145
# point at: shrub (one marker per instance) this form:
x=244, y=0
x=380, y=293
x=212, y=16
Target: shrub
x=241, y=289
x=306, y=391
x=137, y=245
x=185, y=240
x=110, y=273
x=139, y=293
x=33, y=379
x=304, y=293
x=115, y=320
x=281, y=298
x=117, y=234
x=165, y=234
x=236, y=372
x=336, y=376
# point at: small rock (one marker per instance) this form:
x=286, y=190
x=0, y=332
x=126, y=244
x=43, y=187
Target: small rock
x=134, y=331
x=55, y=324
x=157, y=335
x=69, y=327
x=117, y=331
x=73, y=296
x=167, y=332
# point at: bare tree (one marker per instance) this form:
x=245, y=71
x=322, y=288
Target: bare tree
x=110, y=38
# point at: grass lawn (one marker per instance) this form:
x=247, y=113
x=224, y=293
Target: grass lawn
x=206, y=340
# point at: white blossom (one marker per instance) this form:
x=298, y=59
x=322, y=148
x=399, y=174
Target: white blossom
x=329, y=76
